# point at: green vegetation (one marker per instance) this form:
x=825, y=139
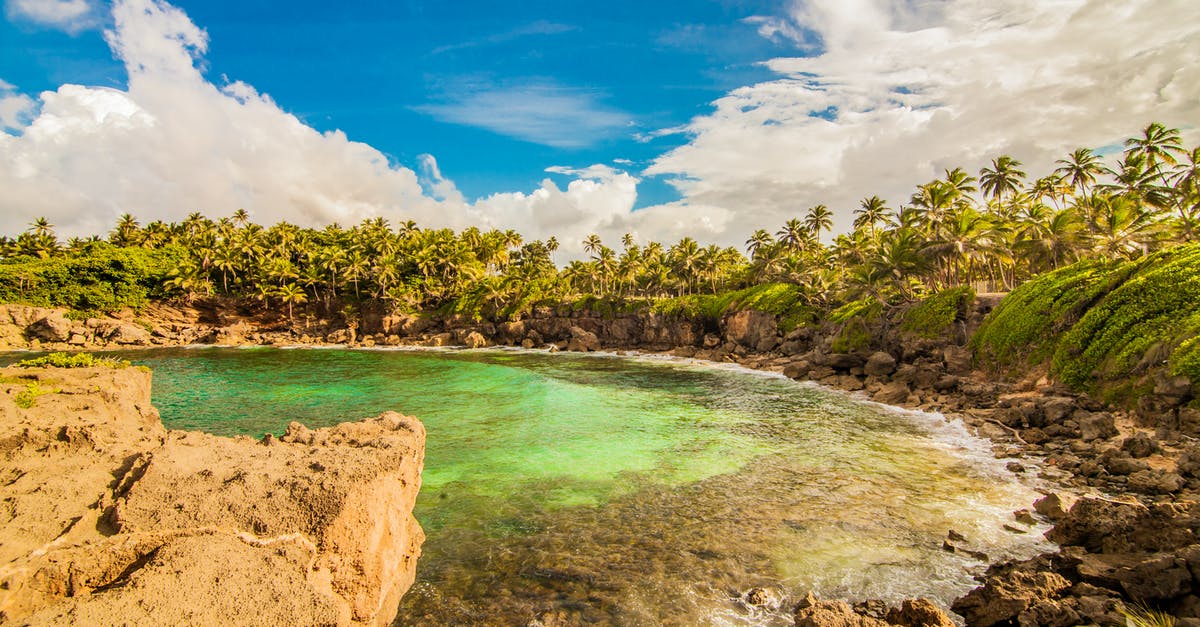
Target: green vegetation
x=1141, y=615
x=992, y=232
x=934, y=315
x=72, y=360
x=1103, y=324
x=27, y=398
x=785, y=300
x=96, y=277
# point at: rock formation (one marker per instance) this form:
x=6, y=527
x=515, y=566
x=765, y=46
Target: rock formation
x=108, y=518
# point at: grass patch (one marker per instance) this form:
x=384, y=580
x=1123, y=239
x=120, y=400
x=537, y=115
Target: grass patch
x=69, y=360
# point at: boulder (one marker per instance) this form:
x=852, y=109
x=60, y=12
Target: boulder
x=129, y=334
x=800, y=370
x=833, y=614
x=1054, y=506
x=1055, y=409
x=475, y=339
x=919, y=613
x=53, y=327
x=1153, y=481
x=752, y=329
x=892, y=393
x=1189, y=461
x=583, y=341
x=1006, y=596
x=958, y=359
x=880, y=364
x=842, y=361
x=1095, y=425
x=1140, y=445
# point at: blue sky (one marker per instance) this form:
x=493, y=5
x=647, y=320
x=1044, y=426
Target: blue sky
x=496, y=91
x=657, y=119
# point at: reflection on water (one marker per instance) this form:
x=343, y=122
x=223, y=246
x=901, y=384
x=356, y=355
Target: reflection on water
x=627, y=491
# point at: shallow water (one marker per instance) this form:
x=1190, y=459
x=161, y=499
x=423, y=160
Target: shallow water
x=632, y=491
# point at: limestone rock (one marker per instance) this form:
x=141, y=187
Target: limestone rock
x=1004, y=597
x=892, y=393
x=919, y=613
x=752, y=329
x=1139, y=445
x=583, y=341
x=1054, y=506
x=833, y=614
x=52, y=328
x=119, y=522
x=880, y=364
x=1095, y=426
x=129, y=334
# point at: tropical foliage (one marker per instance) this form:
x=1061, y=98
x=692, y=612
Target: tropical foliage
x=991, y=232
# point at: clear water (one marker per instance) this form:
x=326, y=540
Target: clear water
x=632, y=491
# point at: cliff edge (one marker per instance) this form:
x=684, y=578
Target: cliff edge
x=108, y=518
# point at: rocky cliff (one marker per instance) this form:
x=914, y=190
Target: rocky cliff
x=108, y=518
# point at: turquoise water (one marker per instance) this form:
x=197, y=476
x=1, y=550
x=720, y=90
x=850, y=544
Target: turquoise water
x=631, y=491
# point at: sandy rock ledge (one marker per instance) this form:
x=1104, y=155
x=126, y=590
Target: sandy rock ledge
x=107, y=518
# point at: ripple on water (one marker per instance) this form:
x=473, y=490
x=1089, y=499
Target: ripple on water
x=633, y=490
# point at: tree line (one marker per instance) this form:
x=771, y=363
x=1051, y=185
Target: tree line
x=992, y=231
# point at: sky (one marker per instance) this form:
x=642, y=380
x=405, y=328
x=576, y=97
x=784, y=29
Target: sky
x=706, y=118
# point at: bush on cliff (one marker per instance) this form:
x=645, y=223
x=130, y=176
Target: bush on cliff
x=783, y=300
x=99, y=278
x=1103, y=324
x=934, y=315
x=855, y=318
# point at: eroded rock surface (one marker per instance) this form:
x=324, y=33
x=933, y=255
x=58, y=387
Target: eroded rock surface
x=107, y=518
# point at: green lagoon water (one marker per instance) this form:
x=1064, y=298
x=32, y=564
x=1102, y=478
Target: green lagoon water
x=631, y=491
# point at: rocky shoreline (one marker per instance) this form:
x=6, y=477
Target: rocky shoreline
x=108, y=518
x=1138, y=471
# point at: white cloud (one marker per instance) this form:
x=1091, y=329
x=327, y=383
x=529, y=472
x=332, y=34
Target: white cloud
x=539, y=113
x=917, y=87
x=173, y=143
x=69, y=15
x=15, y=109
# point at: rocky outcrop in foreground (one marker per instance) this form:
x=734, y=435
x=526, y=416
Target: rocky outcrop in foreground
x=107, y=518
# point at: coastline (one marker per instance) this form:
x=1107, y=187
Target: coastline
x=993, y=410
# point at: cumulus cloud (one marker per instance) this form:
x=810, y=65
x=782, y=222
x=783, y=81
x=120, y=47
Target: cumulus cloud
x=69, y=15
x=173, y=143
x=894, y=92
x=15, y=109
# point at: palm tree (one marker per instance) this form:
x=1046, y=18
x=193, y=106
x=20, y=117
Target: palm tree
x=871, y=212
x=818, y=219
x=1158, y=146
x=792, y=235
x=592, y=243
x=1003, y=178
x=241, y=217
x=292, y=294
x=1080, y=169
x=760, y=239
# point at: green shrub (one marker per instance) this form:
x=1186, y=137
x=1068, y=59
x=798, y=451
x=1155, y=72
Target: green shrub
x=1102, y=325
x=27, y=398
x=99, y=278
x=783, y=300
x=934, y=315
x=1140, y=323
x=1024, y=328
x=77, y=360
